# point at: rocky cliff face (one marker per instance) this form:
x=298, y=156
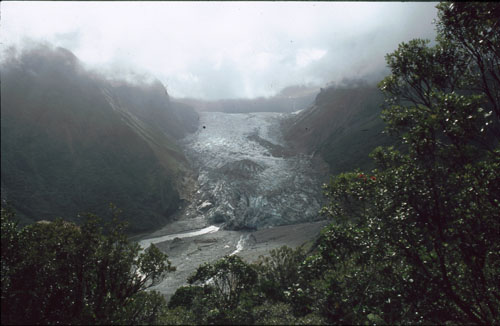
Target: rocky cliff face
x=73, y=141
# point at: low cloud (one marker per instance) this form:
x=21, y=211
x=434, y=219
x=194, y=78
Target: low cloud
x=215, y=50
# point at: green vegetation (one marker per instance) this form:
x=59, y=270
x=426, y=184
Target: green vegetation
x=74, y=142
x=413, y=241
x=342, y=126
x=348, y=142
x=231, y=291
x=61, y=273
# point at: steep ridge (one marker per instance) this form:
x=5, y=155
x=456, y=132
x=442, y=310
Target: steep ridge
x=73, y=142
x=342, y=126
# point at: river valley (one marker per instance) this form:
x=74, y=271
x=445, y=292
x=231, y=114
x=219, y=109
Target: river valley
x=252, y=194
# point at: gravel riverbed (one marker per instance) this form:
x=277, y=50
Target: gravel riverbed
x=252, y=195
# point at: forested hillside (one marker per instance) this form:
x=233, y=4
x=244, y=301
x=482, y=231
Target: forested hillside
x=74, y=142
x=342, y=126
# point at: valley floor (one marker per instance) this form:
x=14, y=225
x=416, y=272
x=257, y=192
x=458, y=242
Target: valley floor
x=252, y=195
x=186, y=254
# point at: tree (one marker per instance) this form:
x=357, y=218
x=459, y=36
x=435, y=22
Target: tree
x=222, y=292
x=480, y=42
x=279, y=271
x=416, y=240
x=229, y=276
x=58, y=272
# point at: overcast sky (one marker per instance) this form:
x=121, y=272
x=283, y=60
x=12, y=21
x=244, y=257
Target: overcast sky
x=217, y=50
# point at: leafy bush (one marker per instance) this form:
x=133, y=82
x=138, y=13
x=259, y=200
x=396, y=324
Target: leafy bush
x=58, y=272
x=227, y=291
x=279, y=271
x=416, y=240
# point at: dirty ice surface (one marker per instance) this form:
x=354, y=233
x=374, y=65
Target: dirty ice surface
x=248, y=179
x=248, y=184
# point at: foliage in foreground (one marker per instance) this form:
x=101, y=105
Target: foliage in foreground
x=60, y=273
x=415, y=240
x=231, y=291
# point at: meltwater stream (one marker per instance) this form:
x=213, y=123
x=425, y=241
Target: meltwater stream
x=247, y=181
x=147, y=242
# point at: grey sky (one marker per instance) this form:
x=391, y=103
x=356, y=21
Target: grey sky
x=223, y=50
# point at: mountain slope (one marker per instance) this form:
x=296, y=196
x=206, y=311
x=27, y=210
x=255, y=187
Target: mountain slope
x=290, y=99
x=343, y=126
x=73, y=142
